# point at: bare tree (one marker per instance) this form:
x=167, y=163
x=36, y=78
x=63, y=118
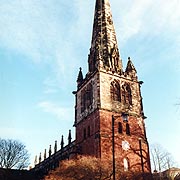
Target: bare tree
x=13, y=154
x=161, y=159
x=84, y=167
x=92, y=168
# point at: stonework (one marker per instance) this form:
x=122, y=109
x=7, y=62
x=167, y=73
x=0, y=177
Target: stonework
x=115, y=94
x=93, y=81
x=107, y=94
x=104, y=52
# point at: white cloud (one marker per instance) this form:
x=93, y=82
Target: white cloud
x=132, y=20
x=31, y=27
x=147, y=18
x=59, y=112
x=148, y=30
x=59, y=33
x=43, y=30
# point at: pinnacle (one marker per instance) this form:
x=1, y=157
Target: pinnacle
x=80, y=76
x=130, y=66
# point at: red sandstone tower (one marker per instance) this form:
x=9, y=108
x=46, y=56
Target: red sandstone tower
x=109, y=110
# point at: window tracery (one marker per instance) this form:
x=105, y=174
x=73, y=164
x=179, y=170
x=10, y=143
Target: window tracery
x=126, y=94
x=115, y=91
x=86, y=97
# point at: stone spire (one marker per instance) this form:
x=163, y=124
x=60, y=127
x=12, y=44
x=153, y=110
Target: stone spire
x=104, y=51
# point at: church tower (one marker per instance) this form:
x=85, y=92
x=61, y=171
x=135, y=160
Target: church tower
x=109, y=115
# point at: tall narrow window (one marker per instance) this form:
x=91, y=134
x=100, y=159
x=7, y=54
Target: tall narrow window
x=89, y=132
x=86, y=97
x=89, y=95
x=123, y=94
x=126, y=94
x=84, y=133
x=117, y=96
x=115, y=91
x=126, y=164
x=83, y=100
x=112, y=91
x=119, y=127
x=82, y=108
x=127, y=129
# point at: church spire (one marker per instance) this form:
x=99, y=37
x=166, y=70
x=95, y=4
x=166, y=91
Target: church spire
x=104, y=51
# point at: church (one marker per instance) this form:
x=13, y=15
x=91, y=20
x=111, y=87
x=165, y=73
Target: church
x=109, y=117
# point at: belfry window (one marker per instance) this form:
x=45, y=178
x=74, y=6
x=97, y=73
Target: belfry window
x=126, y=94
x=86, y=97
x=112, y=91
x=123, y=94
x=89, y=95
x=83, y=101
x=115, y=91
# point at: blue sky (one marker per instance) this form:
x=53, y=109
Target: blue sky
x=43, y=44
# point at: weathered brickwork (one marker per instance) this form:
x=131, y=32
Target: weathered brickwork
x=115, y=94
x=133, y=151
x=89, y=141
x=105, y=95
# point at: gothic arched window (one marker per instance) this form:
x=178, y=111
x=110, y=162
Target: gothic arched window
x=83, y=100
x=126, y=94
x=112, y=91
x=117, y=96
x=115, y=91
x=86, y=97
x=89, y=95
